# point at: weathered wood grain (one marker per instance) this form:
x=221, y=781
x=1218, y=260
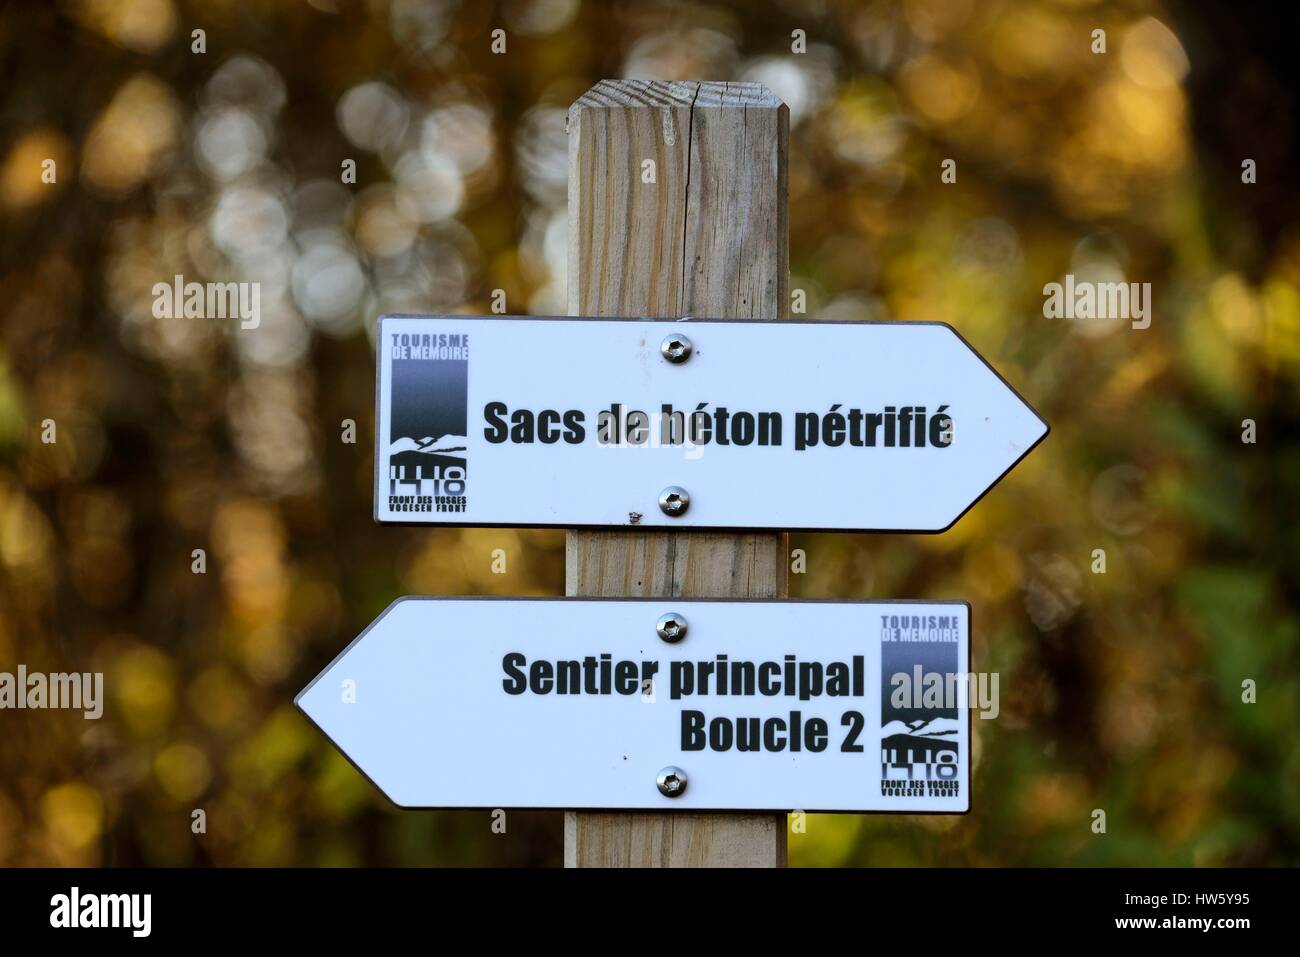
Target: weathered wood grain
x=709, y=238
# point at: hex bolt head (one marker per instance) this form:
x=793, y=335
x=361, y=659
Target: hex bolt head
x=676, y=348
x=671, y=627
x=672, y=782
x=674, y=501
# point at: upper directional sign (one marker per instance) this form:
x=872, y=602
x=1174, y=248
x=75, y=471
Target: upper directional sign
x=658, y=704
x=688, y=424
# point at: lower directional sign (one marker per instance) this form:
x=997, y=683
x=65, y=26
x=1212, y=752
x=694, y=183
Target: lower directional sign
x=657, y=704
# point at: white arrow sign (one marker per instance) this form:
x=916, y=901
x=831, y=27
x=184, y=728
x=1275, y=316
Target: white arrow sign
x=691, y=424
x=583, y=703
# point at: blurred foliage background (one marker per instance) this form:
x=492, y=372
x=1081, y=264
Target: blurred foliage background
x=1120, y=691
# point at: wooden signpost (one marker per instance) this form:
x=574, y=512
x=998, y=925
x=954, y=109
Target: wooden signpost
x=709, y=237
x=678, y=425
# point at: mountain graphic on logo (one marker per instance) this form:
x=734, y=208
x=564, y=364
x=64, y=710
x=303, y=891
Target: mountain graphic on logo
x=940, y=729
x=430, y=445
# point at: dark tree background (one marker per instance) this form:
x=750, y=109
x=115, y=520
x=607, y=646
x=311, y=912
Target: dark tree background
x=1120, y=691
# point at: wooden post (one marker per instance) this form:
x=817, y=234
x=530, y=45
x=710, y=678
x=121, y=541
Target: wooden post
x=703, y=232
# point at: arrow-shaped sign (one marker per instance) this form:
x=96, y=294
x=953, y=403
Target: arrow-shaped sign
x=692, y=424
x=657, y=704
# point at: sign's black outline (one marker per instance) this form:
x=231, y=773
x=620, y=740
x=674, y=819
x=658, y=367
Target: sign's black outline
x=669, y=806
x=379, y=359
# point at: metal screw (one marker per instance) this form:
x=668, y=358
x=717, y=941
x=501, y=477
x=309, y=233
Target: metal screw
x=671, y=627
x=672, y=782
x=676, y=348
x=674, y=501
